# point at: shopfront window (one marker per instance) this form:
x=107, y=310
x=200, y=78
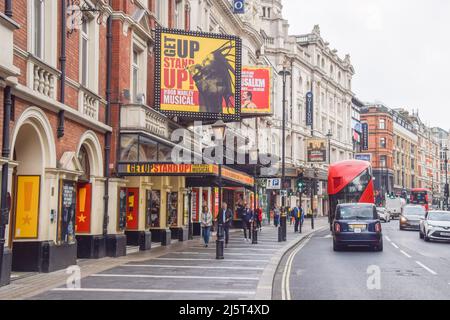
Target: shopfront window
x=129, y=147
x=172, y=209
x=164, y=153
x=153, y=209
x=140, y=148
x=148, y=150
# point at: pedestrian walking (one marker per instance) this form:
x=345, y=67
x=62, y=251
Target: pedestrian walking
x=297, y=215
x=276, y=216
x=225, y=217
x=258, y=216
x=206, y=223
x=247, y=220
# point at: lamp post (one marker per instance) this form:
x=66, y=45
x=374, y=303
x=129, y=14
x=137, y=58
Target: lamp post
x=219, y=134
x=329, y=136
x=446, y=193
x=285, y=73
x=190, y=233
x=254, y=159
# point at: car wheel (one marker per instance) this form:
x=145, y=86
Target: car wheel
x=427, y=239
x=421, y=235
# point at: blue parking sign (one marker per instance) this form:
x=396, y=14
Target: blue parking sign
x=238, y=6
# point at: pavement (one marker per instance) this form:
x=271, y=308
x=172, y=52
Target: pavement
x=407, y=269
x=181, y=271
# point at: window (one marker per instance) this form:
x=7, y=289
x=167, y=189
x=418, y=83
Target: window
x=179, y=14
x=84, y=52
x=135, y=71
x=382, y=124
x=38, y=26
x=161, y=11
x=383, y=161
x=383, y=143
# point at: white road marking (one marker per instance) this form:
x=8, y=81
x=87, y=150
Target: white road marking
x=230, y=249
x=221, y=292
x=104, y=275
x=426, y=268
x=228, y=254
x=388, y=239
x=405, y=254
x=285, y=282
x=186, y=267
x=188, y=259
x=328, y=236
x=395, y=246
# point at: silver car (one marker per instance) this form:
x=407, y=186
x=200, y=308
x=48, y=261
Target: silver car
x=383, y=214
x=435, y=226
x=410, y=217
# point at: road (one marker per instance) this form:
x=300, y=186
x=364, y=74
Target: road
x=188, y=273
x=409, y=268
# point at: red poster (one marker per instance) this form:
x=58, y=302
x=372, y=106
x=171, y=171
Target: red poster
x=195, y=205
x=256, y=89
x=132, y=209
x=83, y=213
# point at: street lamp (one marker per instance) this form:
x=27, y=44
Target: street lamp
x=285, y=73
x=254, y=160
x=446, y=191
x=219, y=134
x=329, y=136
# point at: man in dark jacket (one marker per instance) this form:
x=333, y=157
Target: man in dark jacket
x=224, y=218
x=247, y=219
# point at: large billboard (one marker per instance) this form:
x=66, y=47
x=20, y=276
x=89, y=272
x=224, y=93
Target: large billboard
x=317, y=150
x=256, y=87
x=198, y=75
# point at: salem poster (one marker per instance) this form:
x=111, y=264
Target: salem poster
x=198, y=75
x=256, y=90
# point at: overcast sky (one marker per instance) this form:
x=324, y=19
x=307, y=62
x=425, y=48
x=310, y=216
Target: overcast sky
x=400, y=48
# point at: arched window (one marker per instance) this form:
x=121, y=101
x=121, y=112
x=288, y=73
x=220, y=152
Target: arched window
x=83, y=157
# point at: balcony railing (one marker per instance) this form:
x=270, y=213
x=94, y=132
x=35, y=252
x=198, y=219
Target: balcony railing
x=142, y=117
x=89, y=103
x=42, y=77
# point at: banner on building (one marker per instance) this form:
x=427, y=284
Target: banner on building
x=238, y=6
x=317, y=150
x=309, y=109
x=256, y=89
x=83, y=213
x=27, y=207
x=198, y=75
x=364, y=157
x=365, y=136
x=66, y=221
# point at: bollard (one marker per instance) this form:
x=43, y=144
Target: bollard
x=220, y=243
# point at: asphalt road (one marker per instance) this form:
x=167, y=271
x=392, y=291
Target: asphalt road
x=409, y=269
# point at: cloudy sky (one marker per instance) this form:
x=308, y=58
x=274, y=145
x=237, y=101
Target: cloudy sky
x=400, y=48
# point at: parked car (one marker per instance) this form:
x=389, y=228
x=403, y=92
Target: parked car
x=357, y=224
x=435, y=226
x=383, y=214
x=410, y=217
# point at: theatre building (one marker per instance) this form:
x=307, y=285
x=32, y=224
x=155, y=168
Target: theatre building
x=58, y=201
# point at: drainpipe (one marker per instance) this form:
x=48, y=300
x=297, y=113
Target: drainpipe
x=4, y=213
x=108, y=122
x=62, y=60
x=8, y=8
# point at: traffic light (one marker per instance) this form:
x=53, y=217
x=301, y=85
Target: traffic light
x=300, y=185
x=316, y=186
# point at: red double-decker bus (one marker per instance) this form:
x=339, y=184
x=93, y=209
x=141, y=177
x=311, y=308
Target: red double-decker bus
x=421, y=197
x=349, y=182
